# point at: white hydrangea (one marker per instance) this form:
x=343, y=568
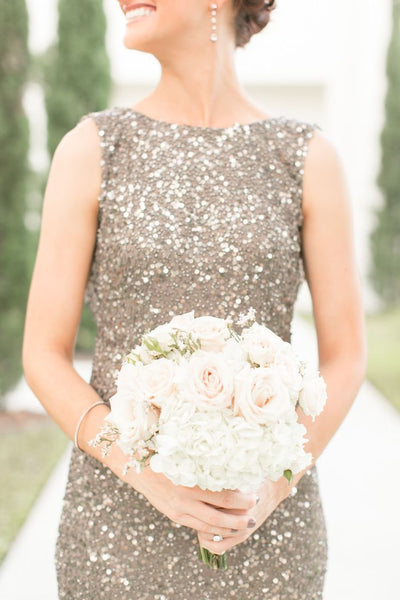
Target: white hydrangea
x=225, y=451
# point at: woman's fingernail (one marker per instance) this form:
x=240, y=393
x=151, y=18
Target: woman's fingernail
x=234, y=530
x=251, y=523
x=257, y=499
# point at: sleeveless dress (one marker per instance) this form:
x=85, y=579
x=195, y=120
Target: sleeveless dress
x=202, y=218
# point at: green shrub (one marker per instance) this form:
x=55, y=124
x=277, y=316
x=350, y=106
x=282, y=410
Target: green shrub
x=78, y=77
x=385, y=239
x=14, y=172
x=77, y=81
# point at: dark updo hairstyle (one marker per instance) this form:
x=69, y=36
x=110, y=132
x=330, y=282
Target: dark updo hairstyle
x=251, y=17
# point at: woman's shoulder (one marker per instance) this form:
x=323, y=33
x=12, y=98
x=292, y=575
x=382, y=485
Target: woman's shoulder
x=75, y=172
x=108, y=118
x=290, y=139
x=311, y=134
x=298, y=133
x=297, y=127
x=80, y=143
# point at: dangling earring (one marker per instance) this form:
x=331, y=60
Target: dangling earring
x=213, y=36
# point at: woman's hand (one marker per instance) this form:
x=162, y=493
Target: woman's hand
x=207, y=512
x=270, y=494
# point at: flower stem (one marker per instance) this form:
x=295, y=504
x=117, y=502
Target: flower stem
x=215, y=561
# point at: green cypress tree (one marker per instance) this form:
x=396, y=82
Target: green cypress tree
x=385, y=239
x=14, y=173
x=77, y=81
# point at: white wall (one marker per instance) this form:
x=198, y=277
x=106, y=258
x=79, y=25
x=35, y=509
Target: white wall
x=355, y=101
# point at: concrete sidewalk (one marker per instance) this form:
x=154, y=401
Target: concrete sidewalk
x=360, y=490
x=22, y=397
x=28, y=570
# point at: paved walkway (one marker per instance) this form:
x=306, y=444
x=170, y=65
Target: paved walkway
x=360, y=491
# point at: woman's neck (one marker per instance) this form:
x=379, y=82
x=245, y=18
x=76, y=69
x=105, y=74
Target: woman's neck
x=200, y=88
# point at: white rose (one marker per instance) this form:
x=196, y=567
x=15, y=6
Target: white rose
x=157, y=380
x=140, y=427
x=126, y=374
x=130, y=412
x=127, y=380
x=162, y=334
x=288, y=367
x=313, y=395
x=184, y=321
x=212, y=332
x=261, y=344
x=207, y=381
x=260, y=396
x=122, y=406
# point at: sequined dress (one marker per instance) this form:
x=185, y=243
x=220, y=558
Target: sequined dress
x=201, y=218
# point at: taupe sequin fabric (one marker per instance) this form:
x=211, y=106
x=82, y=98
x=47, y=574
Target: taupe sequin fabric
x=199, y=218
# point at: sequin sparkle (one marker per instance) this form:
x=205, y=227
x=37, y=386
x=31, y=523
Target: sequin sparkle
x=189, y=218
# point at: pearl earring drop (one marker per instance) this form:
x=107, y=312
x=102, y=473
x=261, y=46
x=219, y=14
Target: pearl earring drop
x=213, y=36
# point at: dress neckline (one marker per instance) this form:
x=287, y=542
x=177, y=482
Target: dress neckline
x=202, y=128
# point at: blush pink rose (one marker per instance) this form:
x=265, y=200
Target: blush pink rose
x=208, y=381
x=212, y=332
x=261, y=344
x=157, y=381
x=260, y=396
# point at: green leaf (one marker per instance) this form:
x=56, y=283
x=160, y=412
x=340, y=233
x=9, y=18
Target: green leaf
x=288, y=475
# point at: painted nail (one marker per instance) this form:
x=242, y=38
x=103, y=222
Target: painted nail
x=251, y=523
x=257, y=499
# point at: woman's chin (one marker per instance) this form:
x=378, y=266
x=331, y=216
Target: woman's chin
x=135, y=27
x=134, y=42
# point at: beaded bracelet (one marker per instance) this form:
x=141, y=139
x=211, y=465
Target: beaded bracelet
x=81, y=420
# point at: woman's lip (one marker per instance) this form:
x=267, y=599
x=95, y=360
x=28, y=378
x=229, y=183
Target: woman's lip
x=138, y=5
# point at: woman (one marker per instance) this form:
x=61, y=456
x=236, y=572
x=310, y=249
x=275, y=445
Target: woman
x=192, y=199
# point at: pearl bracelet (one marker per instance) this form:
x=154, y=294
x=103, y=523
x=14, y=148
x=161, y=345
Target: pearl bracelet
x=85, y=412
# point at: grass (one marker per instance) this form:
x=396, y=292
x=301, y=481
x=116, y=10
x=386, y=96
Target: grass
x=383, y=336
x=28, y=455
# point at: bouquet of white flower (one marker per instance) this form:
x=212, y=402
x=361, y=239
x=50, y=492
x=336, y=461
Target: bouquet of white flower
x=209, y=407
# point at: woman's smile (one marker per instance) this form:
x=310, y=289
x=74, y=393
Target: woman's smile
x=137, y=11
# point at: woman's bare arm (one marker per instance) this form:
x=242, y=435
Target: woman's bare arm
x=332, y=276
x=67, y=238
x=334, y=283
